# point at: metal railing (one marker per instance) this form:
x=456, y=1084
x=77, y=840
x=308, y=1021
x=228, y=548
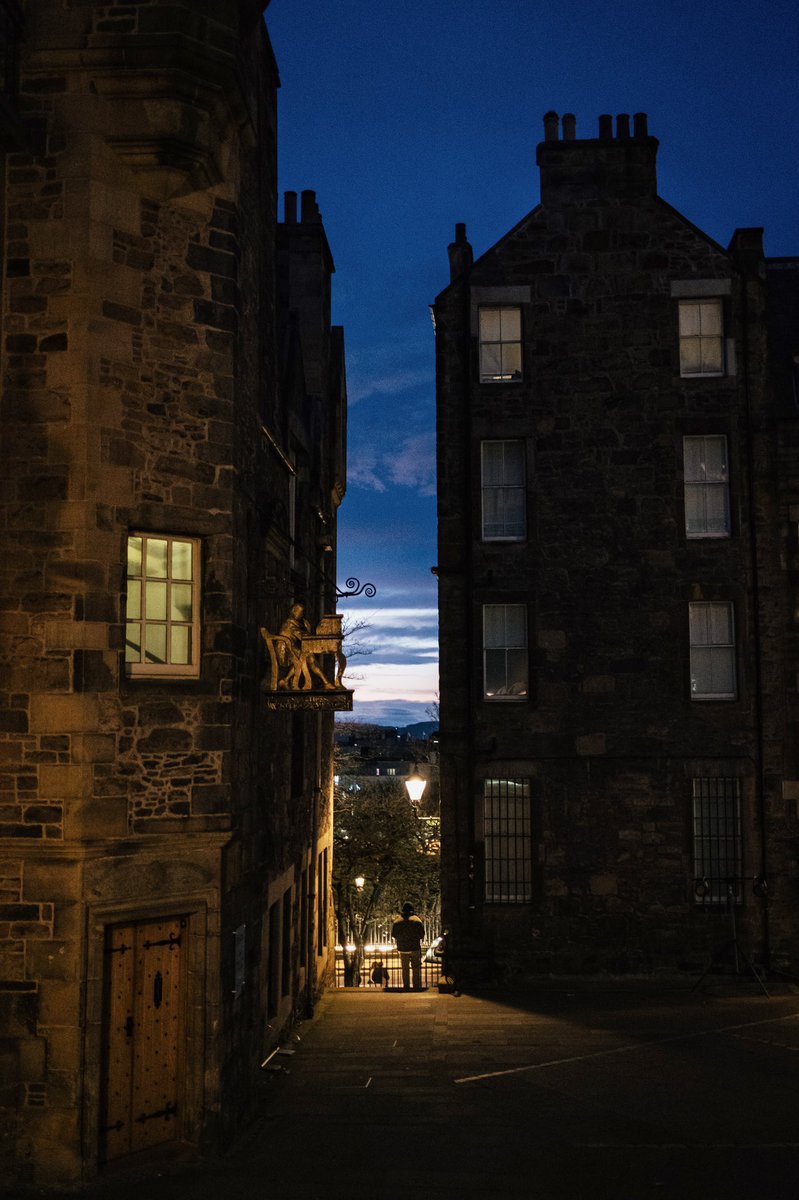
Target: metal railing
x=388, y=958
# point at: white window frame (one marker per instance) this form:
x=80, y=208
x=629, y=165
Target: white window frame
x=703, y=641
x=506, y=312
x=717, y=841
x=172, y=670
x=702, y=303
x=506, y=647
x=506, y=493
x=705, y=482
x=507, y=841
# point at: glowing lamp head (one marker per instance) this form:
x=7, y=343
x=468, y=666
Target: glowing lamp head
x=415, y=786
x=359, y=881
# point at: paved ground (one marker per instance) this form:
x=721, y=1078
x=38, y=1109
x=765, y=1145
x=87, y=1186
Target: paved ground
x=575, y=1090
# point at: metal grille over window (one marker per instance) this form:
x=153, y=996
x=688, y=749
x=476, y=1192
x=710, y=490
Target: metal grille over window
x=161, y=631
x=505, y=665
x=500, y=345
x=718, y=858
x=701, y=338
x=503, y=491
x=507, y=827
x=712, y=635
x=707, y=487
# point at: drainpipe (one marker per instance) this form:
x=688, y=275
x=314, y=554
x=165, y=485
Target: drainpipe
x=310, y=979
x=758, y=642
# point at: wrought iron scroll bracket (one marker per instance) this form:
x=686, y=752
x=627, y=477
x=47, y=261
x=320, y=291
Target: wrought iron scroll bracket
x=356, y=588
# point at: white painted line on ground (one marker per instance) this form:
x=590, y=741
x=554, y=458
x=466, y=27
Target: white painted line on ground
x=677, y=1037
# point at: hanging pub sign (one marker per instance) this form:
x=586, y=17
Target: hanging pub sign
x=306, y=665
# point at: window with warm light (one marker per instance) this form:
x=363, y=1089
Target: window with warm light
x=505, y=659
x=707, y=486
x=508, y=839
x=712, y=651
x=502, y=477
x=718, y=856
x=701, y=337
x=162, y=620
x=500, y=344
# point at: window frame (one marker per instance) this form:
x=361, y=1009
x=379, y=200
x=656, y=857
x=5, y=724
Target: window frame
x=487, y=376
x=728, y=647
x=705, y=483
x=716, y=800
x=507, y=842
x=699, y=302
x=506, y=697
x=503, y=489
x=165, y=670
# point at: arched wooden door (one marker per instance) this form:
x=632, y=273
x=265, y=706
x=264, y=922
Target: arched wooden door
x=144, y=1013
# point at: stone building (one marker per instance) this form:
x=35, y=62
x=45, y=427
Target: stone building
x=617, y=578
x=173, y=423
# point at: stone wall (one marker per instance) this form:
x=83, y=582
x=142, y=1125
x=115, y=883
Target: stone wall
x=609, y=737
x=145, y=389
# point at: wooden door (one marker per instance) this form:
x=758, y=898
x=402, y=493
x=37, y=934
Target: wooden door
x=143, y=1035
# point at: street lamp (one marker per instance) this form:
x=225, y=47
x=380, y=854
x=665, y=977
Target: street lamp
x=415, y=785
x=359, y=881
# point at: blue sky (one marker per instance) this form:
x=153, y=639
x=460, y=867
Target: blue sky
x=406, y=118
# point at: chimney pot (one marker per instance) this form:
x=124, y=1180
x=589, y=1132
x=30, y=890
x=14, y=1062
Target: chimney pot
x=606, y=126
x=460, y=232
x=569, y=127
x=640, y=129
x=290, y=208
x=310, y=209
x=623, y=125
x=551, y=127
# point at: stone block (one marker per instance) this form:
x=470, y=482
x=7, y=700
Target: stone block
x=604, y=885
x=52, y=960
x=48, y=881
x=94, y=748
x=93, y=818
x=64, y=714
x=551, y=639
x=589, y=744
x=32, y=1058
x=59, y=1003
x=599, y=685
x=63, y=780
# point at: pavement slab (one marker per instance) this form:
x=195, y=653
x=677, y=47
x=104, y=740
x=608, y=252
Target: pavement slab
x=565, y=1090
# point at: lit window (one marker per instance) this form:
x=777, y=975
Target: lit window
x=503, y=491
x=712, y=637
x=707, y=488
x=500, y=344
x=505, y=664
x=162, y=634
x=718, y=860
x=701, y=338
x=507, y=828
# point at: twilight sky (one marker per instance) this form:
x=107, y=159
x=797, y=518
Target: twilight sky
x=405, y=118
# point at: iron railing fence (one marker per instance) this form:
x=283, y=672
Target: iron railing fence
x=389, y=958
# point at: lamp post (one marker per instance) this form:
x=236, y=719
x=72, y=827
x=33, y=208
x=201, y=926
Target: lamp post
x=415, y=785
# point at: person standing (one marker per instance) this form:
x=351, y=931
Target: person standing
x=408, y=933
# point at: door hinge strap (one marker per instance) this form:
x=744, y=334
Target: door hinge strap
x=170, y=1111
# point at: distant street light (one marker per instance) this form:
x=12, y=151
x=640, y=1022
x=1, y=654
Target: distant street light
x=359, y=881
x=415, y=786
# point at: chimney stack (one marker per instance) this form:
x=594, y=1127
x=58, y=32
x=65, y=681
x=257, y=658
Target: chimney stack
x=290, y=208
x=460, y=253
x=605, y=168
